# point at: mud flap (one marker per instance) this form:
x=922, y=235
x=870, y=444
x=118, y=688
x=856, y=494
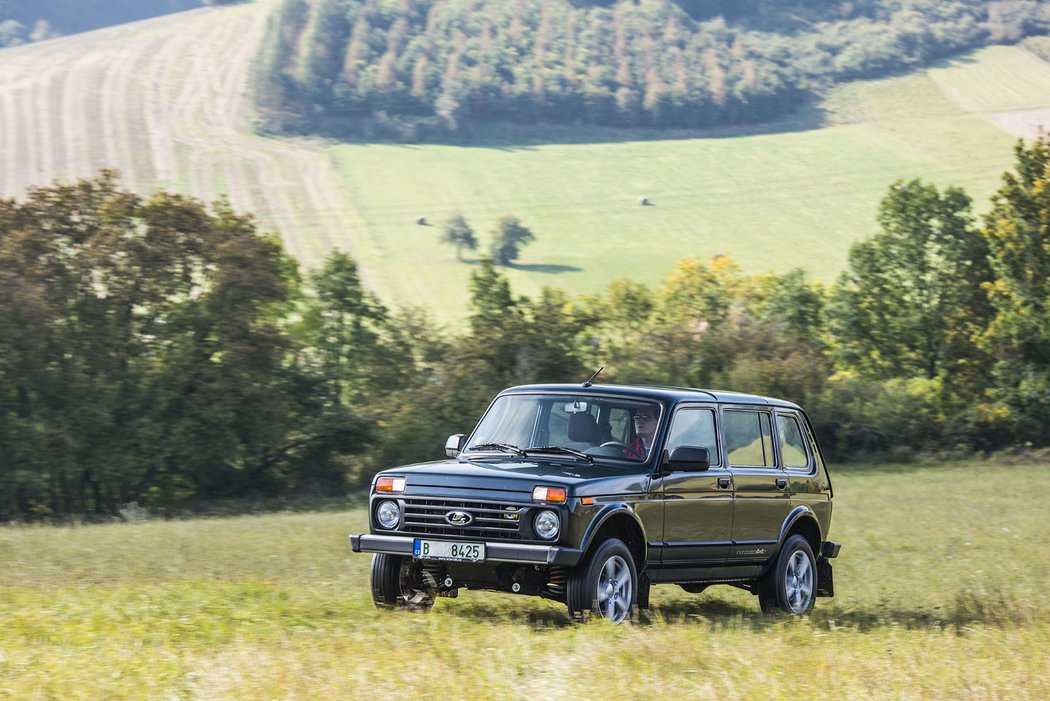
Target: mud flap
x=825, y=578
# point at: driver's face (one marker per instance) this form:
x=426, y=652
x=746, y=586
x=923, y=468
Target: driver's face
x=645, y=424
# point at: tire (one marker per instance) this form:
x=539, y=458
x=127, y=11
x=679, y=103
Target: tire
x=605, y=584
x=791, y=585
x=392, y=577
x=386, y=581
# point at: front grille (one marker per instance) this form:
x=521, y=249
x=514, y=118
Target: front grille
x=490, y=519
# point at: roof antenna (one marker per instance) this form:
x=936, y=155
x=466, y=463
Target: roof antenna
x=590, y=381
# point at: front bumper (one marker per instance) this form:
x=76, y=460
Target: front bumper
x=494, y=552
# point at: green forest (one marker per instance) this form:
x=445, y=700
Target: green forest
x=163, y=353
x=419, y=69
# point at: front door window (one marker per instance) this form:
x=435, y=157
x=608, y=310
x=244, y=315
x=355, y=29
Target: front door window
x=694, y=428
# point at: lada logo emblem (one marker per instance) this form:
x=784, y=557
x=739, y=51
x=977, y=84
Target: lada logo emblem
x=459, y=518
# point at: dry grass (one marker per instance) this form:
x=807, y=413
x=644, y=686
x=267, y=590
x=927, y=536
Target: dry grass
x=941, y=595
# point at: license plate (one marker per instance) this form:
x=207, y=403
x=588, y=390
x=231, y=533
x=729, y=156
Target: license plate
x=447, y=550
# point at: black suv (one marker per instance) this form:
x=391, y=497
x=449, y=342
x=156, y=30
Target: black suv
x=589, y=494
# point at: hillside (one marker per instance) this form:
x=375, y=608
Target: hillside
x=430, y=69
x=167, y=102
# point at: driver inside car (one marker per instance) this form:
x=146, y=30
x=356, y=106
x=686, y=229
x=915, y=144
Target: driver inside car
x=645, y=424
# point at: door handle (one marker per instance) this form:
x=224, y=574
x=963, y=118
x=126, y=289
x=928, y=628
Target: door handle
x=781, y=483
x=725, y=482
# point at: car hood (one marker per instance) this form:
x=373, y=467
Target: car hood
x=515, y=479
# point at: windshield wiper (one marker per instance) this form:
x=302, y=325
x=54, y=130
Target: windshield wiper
x=505, y=447
x=561, y=450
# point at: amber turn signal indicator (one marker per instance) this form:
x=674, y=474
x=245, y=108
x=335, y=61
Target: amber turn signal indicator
x=390, y=484
x=555, y=494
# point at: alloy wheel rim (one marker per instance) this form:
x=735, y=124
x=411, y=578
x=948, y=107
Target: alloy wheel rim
x=798, y=582
x=615, y=589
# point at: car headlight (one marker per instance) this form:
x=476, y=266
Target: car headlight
x=547, y=524
x=388, y=514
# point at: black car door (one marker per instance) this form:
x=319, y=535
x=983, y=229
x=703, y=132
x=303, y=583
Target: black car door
x=698, y=506
x=762, y=500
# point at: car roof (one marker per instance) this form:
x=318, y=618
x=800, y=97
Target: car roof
x=665, y=394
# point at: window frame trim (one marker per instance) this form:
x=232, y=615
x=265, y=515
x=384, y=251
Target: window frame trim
x=715, y=416
x=614, y=397
x=811, y=465
x=774, y=445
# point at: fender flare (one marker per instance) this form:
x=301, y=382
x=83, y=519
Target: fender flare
x=602, y=517
x=796, y=515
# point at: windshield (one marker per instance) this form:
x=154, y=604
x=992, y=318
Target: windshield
x=574, y=427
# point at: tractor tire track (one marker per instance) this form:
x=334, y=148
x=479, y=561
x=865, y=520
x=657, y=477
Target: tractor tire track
x=43, y=138
x=168, y=103
x=74, y=124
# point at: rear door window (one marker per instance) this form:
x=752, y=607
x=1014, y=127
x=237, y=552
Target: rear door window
x=749, y=441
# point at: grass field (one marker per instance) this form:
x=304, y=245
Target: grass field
x=167, y=101
x=941, y=595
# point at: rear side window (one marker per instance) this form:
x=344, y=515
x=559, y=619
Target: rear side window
x=694, y=427
x=749, y=441
x=792, y=445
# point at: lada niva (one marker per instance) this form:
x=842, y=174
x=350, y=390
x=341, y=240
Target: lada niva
x=589, y=494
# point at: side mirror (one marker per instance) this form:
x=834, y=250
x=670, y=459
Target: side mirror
x=454, y=445
x=688, y=458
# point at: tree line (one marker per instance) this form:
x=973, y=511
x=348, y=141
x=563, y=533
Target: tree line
x=418, y=69
x=160, y=352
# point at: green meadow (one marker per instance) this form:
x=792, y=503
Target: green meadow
x=996, y=79
x=940, y=595
x=795, y=196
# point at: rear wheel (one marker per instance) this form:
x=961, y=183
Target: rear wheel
x=398, y=582
x=791, y=585
x=606, y=583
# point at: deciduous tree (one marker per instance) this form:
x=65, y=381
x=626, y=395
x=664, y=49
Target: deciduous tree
x=143, y=357
x=458, y=233
x=509, y=237
x=1017, y=232
x=912, y=303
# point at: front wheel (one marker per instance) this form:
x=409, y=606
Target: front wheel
x=397, y=582
x=606, y=583
x=791, y=585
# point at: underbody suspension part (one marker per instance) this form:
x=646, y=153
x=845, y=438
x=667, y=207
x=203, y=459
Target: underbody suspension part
x=557, y=577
